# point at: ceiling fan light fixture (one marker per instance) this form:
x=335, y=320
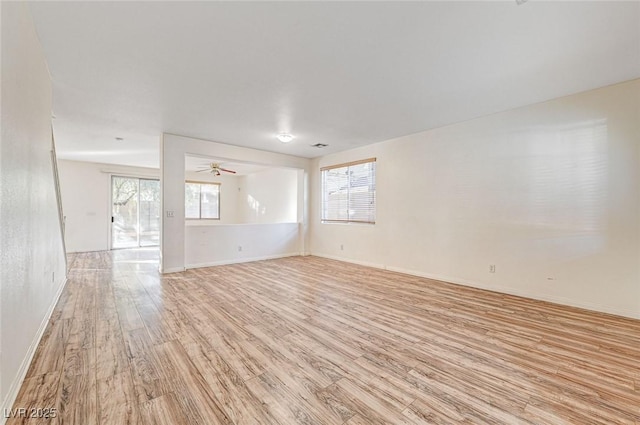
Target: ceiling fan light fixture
x=285, y=137
x=215, y=168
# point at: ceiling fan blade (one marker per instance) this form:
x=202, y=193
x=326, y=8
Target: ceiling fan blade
x=201, y=171
x=227, y=171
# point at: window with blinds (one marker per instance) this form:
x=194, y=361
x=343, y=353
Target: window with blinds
x=201, y=200
x=349, y=192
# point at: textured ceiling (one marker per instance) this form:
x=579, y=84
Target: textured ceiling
x=341, y=73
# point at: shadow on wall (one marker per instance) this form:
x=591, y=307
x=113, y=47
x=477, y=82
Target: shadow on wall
x=271, y=196
x=255, y=206
x=550, y=182
x=567, y=195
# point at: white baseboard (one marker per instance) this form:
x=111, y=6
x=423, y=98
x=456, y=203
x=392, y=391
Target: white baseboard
x=496, y=288
x=7, y=403
x=348, y=260
x=173, y=270
x=522, y=293
x=241, y=260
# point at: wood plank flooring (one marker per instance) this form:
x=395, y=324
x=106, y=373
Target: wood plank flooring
x=305, y=340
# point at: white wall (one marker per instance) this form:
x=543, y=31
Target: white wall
x=173, y=150
x=86, y=201
x=270, y=196
x=224, y=244
x=258, y=220
x=549, y=193
x=86, y=188
x=32, y=265
x=266, y=196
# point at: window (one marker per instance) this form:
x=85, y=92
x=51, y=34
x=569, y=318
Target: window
x=201, y=200
x=349, y=192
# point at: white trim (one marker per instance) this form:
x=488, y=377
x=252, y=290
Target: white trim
x=194, y=222
x=496, y=288
x=173, y=270
x=523, y=293
x=110, y=214
x=125, y=173
x=7, y=403
x=348, y=260
x=242, y=260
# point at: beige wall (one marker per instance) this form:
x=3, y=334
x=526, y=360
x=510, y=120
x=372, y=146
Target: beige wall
x=548, y=193
x=32, y=266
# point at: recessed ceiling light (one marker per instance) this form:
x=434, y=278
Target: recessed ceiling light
x=284, y=137
x=119, y=139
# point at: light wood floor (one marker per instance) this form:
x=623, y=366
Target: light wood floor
x=305, y=340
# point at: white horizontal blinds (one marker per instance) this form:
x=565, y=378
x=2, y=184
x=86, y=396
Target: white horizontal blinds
x=209, y=201
x=362, y=192
x=349, y=192
x=335, y=205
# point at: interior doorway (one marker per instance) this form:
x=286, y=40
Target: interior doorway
x=135, y=212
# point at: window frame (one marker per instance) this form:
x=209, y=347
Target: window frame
x=200, y=199
x=322, y=191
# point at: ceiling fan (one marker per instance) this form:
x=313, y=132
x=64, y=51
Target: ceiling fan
x=214, y=168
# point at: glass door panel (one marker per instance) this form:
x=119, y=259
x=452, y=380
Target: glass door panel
x=135, y=212
x=124, y=215
x=149, y=212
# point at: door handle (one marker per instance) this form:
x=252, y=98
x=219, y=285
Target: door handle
x=112, y=219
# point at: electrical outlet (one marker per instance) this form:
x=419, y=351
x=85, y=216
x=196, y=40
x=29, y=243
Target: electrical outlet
x=239, y=248
x=492, y=268
x=341, y=247
x=170, y=214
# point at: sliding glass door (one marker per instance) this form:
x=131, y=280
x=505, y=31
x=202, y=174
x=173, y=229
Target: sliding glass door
x=149, y=233
x=135, y=212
